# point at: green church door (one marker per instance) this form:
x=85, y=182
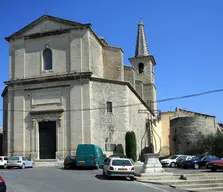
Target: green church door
x=47, y=140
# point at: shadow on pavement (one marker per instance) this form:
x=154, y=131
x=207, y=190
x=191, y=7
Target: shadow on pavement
x=102, y=177
x=77, y=169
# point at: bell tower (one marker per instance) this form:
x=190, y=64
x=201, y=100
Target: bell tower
x=144, y=63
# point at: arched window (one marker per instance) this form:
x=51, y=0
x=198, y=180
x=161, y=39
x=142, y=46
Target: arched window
x=47, y=59
x=141, y=68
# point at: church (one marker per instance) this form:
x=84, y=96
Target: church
x=69, y=86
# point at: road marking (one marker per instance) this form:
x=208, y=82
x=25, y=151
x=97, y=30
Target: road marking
x=152, y=186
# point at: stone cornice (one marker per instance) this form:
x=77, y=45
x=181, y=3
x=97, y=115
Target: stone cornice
x=50, y=78
x=39, y=111
x=53, y=32
x=4, y=91
x=72, y=76
x=149, y=57
x=44, y=17
x=129, y=68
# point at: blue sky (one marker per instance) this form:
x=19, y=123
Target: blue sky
x=185, y=37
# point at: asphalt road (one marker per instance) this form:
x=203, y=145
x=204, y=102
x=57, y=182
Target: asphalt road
x=59, y=180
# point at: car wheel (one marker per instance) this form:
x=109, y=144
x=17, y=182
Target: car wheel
x=97, y=167
x=172, y=165
x=5, y=166
x=23, y=166
x=104, y=173
x=213, y=169
x=196, y=166
x=108, y=176
x=132, y=178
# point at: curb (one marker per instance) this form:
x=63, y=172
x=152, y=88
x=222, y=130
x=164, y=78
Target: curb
x=152, y=182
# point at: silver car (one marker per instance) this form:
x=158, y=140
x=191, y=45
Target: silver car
x=20, y=162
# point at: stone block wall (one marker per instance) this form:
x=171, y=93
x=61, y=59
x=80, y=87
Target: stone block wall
x=129, y=75
x=113, y=63
x=185, y=130
x=111, y=127
x=108, y=127
x=139, y=88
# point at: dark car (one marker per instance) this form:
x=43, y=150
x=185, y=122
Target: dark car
x=70, y=162
x=180, y=161
x=199, y=161
x=215, y=165
x=2, y=185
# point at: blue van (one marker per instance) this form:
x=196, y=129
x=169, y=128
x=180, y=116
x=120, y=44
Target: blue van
x=89, y=155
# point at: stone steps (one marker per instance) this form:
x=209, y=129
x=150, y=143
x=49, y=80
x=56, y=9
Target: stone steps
x=159, y=176
x=202, y=177
x=205, y=185
x=185, y=182
x=161, y=182
x=207, y=189
x=191, y=176
x=49, y=163
x=201, y=182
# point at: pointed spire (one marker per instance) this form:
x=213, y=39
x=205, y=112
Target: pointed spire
x=141, y=45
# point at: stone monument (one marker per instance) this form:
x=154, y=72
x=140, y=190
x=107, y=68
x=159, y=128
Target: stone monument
x=151, y=164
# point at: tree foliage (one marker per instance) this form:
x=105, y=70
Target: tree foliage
x=130, y=145
x=211, y=144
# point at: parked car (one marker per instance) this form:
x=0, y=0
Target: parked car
x=70, y=162
x=3, y=161
x=199, y=161
x=119, y=167
x=180, y=160
x=20, y=162
x=2, y=185
x=89, y=155
x=215, y=165
x=171, y=161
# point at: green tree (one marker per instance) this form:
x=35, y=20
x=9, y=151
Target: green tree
x=211, y=144
x=130, y=145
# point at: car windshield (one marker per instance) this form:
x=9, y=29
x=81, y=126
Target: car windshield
x=121, y=163
x=14, y=158
x=173, y=157
x=190, y=158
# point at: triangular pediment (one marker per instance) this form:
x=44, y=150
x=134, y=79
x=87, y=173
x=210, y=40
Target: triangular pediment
x=44, y=24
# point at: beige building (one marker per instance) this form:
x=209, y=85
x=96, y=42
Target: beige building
x=179, y=130
x=68, y=86
x=164, y=127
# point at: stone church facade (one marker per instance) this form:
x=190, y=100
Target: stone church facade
x=68, y=86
